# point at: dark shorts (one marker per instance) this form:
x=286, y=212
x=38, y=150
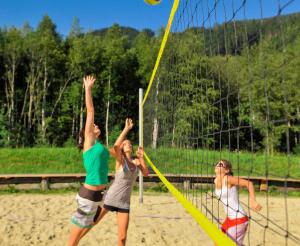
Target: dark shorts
x=115, y=209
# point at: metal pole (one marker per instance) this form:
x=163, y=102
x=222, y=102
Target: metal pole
x=141, y=188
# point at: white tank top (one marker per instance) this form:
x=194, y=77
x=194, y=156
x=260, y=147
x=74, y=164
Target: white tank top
x=229, y=198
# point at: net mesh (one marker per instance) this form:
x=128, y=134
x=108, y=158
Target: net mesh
x=227, y=87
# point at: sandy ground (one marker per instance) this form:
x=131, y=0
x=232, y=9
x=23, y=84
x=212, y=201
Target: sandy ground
x=36, y=219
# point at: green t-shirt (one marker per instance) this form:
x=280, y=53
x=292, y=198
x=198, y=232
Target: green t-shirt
x=95, y=161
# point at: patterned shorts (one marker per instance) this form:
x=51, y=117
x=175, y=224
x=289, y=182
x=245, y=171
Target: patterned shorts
x=88, y=210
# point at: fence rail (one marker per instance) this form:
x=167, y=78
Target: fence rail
x=186, y=179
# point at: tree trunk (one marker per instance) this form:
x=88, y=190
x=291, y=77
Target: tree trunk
x=45, y=87
x=8, y=108
x=10, y=96
x=61, y=92
x=173, y=135
x=24, y=106
x=33, y=105
x=73, y=122
x=31, y=100
x=22, y=118
x=81, y=109
x=107, y=108
x=155, y=133
x=155, y=120
x=76, y=128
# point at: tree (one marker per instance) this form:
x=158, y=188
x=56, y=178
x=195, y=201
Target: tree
x=51, y=53
x=12, y=55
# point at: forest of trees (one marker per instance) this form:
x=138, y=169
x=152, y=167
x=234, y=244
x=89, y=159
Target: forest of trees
x=41, y=76
x=233, y=86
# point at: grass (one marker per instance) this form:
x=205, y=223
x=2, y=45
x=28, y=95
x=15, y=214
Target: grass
x=168, y=160
x=42, y=160
x=189, y=161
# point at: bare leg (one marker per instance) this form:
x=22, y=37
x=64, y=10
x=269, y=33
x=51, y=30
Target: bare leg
x=123, y=221
x=75, y=235
x=86, y=230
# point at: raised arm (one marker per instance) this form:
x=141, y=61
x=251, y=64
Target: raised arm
x=140, y=162
x=89, y=123
x=249, y=185
x=116, y=150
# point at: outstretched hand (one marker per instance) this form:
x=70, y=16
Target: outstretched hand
x=128, y=124
x=255, y=205
x=89, y=81
x=140, y=152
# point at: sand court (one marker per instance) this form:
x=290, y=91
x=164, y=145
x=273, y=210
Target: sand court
x=39, y=219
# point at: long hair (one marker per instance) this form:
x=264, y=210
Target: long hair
x=80, y=141
x=228, y=166
x=132, y=150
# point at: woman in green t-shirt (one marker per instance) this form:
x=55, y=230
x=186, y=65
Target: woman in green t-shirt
x=95, y=160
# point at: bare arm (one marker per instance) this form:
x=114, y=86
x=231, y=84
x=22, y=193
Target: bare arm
x=127, y=128
x=140, y=162
x=112, y=152
x=89, y=123
x=117, y=149
x=249, y=185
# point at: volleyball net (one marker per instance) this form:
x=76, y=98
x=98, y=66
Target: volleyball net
x=226, y=86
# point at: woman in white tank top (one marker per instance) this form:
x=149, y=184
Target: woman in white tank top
x=236, y=222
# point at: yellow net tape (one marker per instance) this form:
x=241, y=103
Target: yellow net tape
x=162, y=47
x=212, y=231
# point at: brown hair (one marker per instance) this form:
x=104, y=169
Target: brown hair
x=80, y=141
x=122, y=150
x=228, y=166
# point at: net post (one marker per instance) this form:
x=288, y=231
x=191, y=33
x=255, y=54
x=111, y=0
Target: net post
x=141, y=186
